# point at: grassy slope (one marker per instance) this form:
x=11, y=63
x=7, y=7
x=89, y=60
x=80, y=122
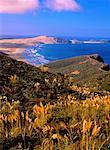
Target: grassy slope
x=18, y=81
x=21, y=81
x=89, y=71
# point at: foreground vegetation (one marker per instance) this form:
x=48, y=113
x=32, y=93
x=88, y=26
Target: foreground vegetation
x=67, y=124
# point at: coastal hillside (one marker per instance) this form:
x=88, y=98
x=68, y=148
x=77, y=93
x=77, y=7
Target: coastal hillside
x=24, y=82
x=38, y=107
x=88, y=70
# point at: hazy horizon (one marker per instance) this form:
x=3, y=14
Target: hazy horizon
x=60, y=36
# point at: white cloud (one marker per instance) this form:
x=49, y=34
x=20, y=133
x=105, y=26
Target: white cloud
x=18, y=6
x=60, y=5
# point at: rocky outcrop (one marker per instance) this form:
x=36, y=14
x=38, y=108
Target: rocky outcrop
x=105, y=67
x=97, y=57
x=62, y=41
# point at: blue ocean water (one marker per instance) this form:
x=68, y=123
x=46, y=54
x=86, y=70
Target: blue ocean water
x=45, y=53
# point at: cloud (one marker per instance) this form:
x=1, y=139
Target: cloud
x=60, y=5
x=18, y=6
x=22, y=6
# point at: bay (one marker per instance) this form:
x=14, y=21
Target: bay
x=45, y=53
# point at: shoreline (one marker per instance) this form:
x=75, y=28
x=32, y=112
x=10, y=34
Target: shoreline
x=28, y=49
x=15, y=53
x=33, y=57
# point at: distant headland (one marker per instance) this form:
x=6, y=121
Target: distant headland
x=15, y=46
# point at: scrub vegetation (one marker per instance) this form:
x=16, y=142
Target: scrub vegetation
x=40, y=110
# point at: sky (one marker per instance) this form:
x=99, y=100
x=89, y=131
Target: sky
x=77, y=18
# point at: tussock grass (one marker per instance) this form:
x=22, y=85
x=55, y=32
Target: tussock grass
x=68, y=124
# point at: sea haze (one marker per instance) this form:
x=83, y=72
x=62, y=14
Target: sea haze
x=45, y=53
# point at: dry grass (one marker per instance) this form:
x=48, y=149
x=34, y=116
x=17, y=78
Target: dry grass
x=88, y=128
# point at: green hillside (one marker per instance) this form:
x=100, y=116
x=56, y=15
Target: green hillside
x=85, y=70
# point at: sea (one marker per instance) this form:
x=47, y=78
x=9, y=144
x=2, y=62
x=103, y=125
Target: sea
x=45, y=53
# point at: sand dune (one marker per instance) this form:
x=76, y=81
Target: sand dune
x=15, y=47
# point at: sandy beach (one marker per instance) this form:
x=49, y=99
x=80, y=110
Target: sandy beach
x=14, y=52
x=15, y=47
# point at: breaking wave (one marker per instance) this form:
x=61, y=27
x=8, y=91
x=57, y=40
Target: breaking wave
x=33, y=57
